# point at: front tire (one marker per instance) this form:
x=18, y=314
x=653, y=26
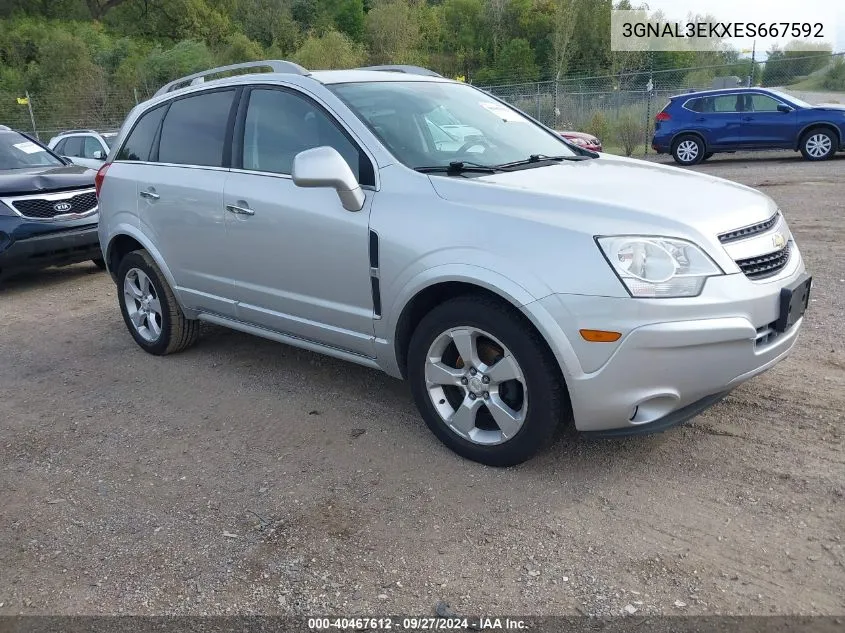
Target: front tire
x=485, y=382
x=818, y=144
x=688, y=150
x=149, y=308
x=99, y=262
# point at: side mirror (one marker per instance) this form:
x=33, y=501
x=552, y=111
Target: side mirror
x=325, y=167
x=98, y=154
x=782, y=107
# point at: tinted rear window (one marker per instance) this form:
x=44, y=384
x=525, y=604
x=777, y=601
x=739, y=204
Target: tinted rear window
x=194, y=130
x=140, y=141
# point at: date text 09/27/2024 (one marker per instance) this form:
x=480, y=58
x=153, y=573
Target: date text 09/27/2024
x=416, y=624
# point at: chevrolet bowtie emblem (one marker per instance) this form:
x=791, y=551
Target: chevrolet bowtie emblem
x=778, y=240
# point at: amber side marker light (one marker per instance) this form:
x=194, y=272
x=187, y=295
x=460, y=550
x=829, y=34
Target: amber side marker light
x=600, y=336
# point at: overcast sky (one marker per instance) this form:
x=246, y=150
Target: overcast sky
x=830, y=12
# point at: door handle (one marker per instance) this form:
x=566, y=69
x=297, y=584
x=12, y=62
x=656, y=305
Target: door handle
x=701, y=118
x=150, y=195
x=233, y=208
x=747, y=118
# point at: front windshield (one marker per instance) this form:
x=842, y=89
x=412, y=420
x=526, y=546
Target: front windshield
x=433, y=124
x=18, y=152
x=792, y=99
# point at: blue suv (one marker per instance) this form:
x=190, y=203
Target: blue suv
x=694, y=126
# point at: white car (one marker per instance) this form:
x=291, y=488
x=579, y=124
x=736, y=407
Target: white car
x=83, y=147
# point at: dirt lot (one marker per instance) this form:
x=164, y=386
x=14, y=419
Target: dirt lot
x=245, y=476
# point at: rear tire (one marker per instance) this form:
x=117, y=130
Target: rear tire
x=707, y=156
x=149, y=308
x=688, y=149
x=818, y=144
x=480, y=407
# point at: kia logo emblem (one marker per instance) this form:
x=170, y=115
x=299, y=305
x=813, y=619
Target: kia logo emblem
x=61, y=207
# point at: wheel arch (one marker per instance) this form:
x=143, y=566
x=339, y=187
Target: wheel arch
x=678, y=135
x=816, y=125
x=425, y=298
x=127, y=239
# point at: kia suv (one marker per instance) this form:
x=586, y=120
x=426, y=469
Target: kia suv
x=48, y=208
x=515, y=280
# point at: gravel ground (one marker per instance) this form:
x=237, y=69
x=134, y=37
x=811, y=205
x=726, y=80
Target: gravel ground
x=244, y=476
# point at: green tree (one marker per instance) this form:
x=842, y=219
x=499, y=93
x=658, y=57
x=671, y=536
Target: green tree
x=330, y=50
x=393, y=33
x=349, y=18
x=516, y=62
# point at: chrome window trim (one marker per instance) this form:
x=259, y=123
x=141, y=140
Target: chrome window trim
x=734, y=94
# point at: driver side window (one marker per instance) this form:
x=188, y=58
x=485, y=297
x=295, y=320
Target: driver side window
x=280, y=124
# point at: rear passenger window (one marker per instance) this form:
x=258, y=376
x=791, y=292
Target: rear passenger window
x=694, y=105
x=140, y=141
x=194, y=130
x=60, y=147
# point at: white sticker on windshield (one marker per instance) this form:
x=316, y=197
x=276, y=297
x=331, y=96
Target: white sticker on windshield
x=28, y=147
x=503, y=112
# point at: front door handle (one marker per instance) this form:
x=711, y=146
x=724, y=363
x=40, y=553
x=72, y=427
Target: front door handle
x=150, y=195
x=233, y=208
x=747, y=118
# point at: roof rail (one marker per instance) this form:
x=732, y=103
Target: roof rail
x=76, y=132
x=403, y=68
x=275, y=65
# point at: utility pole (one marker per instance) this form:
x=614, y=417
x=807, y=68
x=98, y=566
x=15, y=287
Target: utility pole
x=753, y=66
x=31, y=115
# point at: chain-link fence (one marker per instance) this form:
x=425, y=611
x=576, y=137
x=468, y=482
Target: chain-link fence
x=618, y=108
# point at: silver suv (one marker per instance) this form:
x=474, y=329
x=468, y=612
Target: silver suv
x=515, y=280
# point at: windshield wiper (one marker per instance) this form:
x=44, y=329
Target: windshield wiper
x=458, y=167
x=541, y=159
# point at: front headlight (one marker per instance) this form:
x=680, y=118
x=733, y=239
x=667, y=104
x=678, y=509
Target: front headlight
x=653, y=266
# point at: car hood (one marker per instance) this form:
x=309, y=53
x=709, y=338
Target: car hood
x=612, y=194
x=582, y=135
x=44, y=179
x=829, y=106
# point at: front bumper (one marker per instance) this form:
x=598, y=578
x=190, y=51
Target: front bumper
x=674, y=353
x=60, y=246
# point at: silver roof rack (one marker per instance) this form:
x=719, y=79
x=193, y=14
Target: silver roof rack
x=275, y=65
x=403, y=68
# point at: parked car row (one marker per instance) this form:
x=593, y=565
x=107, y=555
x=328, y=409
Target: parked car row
x=420, y=226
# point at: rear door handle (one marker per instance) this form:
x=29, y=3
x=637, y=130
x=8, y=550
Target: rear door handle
x=701, y=118
x=747, y=118
x=150, y=195
x=233, y=208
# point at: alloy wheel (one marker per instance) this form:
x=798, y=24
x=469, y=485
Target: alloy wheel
x=818, y=145
x=142, y=304
x=476, y=386
x=687, y=151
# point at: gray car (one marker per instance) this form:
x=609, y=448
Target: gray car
x=515, y=280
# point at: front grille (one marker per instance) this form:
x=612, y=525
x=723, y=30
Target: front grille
x=45, y=209
x=748, y=231
x=766, y=265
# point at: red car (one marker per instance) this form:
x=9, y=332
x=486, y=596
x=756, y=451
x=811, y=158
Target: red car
x=587, y=141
